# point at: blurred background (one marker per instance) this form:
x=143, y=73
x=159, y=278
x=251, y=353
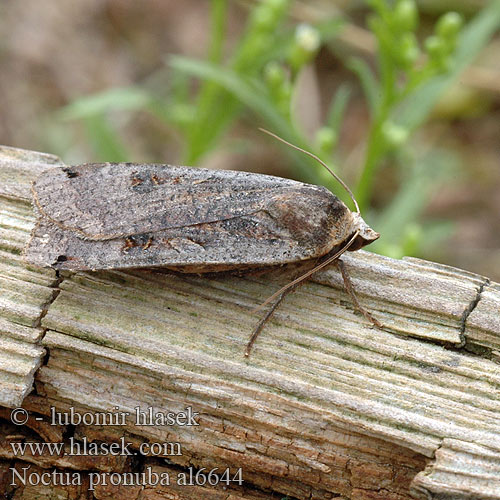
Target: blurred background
x=401, y=98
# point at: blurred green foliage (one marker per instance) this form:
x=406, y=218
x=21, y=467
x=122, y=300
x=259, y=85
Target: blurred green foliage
x=261, y=76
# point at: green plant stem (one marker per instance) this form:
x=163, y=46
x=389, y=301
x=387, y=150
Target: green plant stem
x=375, y=146
x=374, y=152
x=201, y=134
x=219, y=15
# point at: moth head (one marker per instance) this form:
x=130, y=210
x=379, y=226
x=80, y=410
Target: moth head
x=366, y=234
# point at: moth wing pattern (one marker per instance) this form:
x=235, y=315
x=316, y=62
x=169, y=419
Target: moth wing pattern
x=105, y=216
x=106, y=201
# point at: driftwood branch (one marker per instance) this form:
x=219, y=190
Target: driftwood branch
x=325, y=407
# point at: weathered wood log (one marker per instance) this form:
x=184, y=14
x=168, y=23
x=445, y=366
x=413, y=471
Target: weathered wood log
x=326, y=406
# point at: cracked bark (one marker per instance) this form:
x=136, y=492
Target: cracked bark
x=473, y=304
x=46, y=305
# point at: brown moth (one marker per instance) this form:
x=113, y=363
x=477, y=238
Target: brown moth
x=191, y=220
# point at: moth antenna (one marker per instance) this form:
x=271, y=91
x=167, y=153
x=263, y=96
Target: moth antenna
x=339, y=180
x=309, y=273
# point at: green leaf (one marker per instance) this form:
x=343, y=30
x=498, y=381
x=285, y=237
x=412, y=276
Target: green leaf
x=338, y=107
x=368, y=81
x=118, y=99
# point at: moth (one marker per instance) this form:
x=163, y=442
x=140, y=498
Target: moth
x=190, y=220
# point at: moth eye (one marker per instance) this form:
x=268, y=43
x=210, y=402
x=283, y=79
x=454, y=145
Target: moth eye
x=61, y=258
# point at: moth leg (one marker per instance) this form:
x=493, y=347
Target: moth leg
x=350, y=290
x=267, y=316
x=311, y=264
